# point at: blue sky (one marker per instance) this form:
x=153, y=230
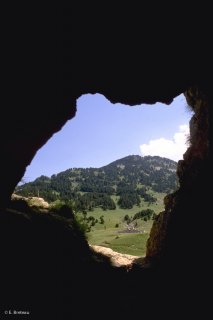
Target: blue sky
x=103, y=132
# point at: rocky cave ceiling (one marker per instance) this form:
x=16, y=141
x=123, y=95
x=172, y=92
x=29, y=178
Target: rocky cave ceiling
x=121, y=54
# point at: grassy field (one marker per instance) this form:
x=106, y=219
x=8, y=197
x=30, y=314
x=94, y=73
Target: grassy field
x=109, y=235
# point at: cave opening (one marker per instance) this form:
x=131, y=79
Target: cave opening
x=130, y=56
x=113, y=164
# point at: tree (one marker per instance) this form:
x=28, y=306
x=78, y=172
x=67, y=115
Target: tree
x=127, y=219
x=144, y=214
x=102, y=220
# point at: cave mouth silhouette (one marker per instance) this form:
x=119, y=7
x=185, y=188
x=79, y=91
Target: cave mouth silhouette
x=130, y=55
x=56, y=254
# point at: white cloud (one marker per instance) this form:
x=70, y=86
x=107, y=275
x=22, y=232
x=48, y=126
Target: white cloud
x=172, y=149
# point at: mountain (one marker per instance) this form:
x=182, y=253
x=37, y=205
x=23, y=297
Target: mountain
x=130, y=179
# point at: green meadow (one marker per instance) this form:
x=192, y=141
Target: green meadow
x=112, y=233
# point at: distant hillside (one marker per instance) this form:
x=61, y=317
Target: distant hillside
x=130, y=179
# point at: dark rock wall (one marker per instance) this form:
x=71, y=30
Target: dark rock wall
x=187, y=217
x=24, y=132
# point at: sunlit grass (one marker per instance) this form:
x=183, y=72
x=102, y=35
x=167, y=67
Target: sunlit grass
x=109, y=235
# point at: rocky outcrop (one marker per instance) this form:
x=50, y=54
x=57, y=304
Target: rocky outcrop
x=175, y=229
x=117, y=259
x=37, y=202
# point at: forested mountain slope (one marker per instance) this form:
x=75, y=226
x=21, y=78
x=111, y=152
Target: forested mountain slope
x=129, y=179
